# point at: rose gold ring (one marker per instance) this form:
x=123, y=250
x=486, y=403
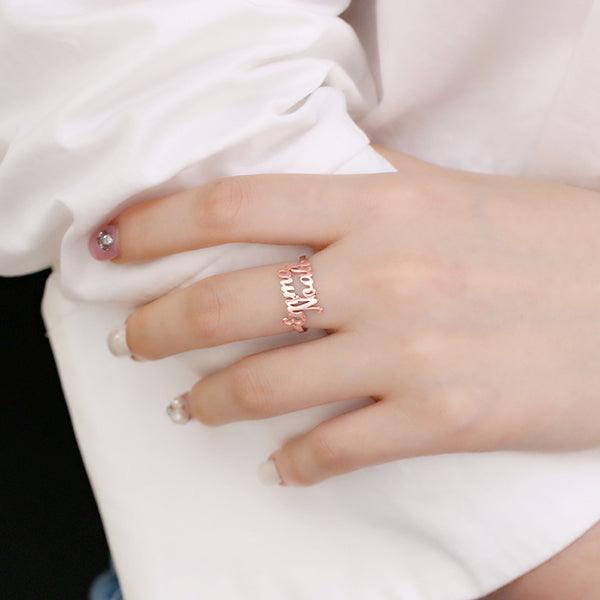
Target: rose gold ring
x=295, y=303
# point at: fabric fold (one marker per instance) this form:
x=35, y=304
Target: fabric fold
x=180, y=95
x=109, y=102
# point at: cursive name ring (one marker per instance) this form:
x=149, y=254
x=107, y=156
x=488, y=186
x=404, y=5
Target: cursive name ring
x=297, y=303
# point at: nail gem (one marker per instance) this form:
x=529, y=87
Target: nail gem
x=179, y=410
x=104, y=243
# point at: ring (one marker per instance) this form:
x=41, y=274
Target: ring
x=295, y=303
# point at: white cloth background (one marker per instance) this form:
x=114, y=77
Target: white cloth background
x=103, y=103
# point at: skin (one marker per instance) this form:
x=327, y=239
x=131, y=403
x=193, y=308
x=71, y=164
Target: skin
x=572, y=574
x=465, y=305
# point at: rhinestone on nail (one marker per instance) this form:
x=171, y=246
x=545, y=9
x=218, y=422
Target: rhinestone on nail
x=105, y=240
x=178, y=411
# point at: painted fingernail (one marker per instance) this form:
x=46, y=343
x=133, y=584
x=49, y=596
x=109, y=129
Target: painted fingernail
x=104, y=242
x=268, y=473
x=117, y=342
x=179, y=409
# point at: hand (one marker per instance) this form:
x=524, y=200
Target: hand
x=466, y=306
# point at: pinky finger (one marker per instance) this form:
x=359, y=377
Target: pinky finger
x=378, y=433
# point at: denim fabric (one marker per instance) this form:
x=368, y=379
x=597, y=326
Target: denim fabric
x=106, y=586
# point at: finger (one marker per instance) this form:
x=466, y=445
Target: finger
x=375, y=434
x=229, y=307
x=284, y=380
x=404, y=163
x=276, y=208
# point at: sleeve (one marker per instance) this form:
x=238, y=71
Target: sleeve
x=108, y=103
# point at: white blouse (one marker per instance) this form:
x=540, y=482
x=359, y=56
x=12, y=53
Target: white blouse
x=107, y=102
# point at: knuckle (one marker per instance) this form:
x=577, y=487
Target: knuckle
x=206, y=309
x=419, y=189
x=460, y=413
x=434, y=194
x=225, y=203
x=386, y=280
x=409, y=192
x=421, y=280
x=398, y=282
x=251, y=390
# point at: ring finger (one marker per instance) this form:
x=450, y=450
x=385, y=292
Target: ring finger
x=223, y=308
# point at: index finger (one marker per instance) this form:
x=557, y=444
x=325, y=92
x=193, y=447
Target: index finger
x=312, y=210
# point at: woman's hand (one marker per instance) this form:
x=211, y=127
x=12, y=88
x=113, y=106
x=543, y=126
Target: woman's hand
x=467, y=306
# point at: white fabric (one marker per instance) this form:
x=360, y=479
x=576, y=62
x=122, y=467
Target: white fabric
x=105, y=103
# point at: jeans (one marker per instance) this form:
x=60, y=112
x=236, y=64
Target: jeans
x=106, y=586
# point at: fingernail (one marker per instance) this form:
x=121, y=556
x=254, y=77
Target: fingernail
x=138, y=358
x=117, y=342
x=268, y=473
x=179, y=409
x=104, y=243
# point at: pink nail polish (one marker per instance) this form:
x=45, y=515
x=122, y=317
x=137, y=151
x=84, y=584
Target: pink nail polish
x=104, y=242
